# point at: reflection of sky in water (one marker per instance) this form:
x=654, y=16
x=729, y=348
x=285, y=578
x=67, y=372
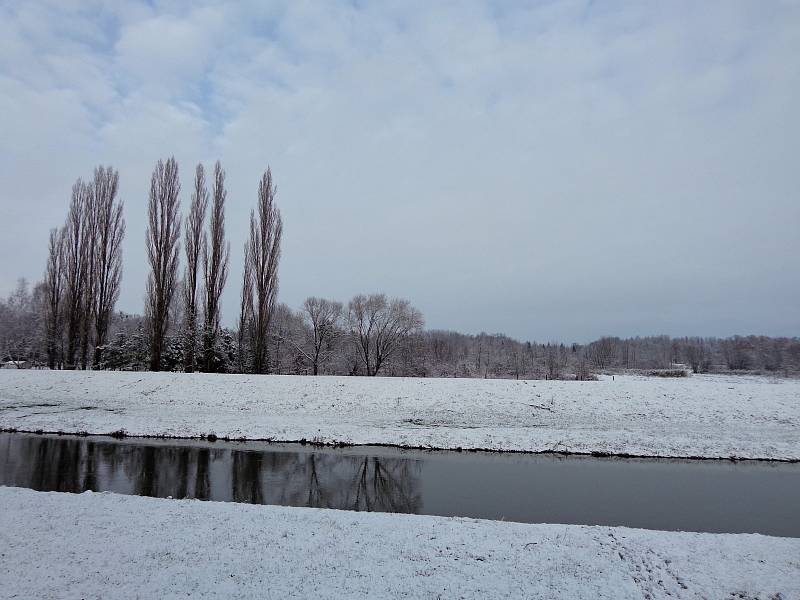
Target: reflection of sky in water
x=658, y=494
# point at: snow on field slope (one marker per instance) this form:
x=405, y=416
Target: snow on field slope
x=106, y=545
x=709, y=416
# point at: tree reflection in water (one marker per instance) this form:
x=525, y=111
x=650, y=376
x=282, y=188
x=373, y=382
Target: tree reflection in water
x=326, y=479
x=246, y=482
x=379, y=487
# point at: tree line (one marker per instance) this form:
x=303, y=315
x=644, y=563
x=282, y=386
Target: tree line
x=84, y=270
x=83, y=273
x=68, y=319
x=321, y=337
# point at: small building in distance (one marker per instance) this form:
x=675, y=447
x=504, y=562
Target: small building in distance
x=16, y=364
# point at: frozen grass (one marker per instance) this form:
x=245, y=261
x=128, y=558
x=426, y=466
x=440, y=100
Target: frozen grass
x=701, y=416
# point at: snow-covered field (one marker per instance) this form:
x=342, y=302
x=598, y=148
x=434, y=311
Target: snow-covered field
x=106, y=545
x=708, y=416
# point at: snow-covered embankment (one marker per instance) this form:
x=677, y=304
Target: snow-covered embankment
x=704, y=416
x=106, y=545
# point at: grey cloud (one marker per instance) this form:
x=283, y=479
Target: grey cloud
x=556, y=172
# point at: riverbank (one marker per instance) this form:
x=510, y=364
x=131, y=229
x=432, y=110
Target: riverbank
x=106, y=545
x=699, y=416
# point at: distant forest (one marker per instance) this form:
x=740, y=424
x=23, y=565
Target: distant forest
x=68, y=320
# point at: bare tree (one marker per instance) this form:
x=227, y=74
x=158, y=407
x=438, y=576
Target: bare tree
x=109, y=232
x=694, y=352
x=603, y=351
x=323, y=317
x=76, y=265
x=582, y=371
x=21, y=325
x=378, y=326
x=215, y=266
x=54, y=286
x=287, y=331
x=194, y=241
x=89, y=251
x=163, y=246
x=266, y=229
x=556, y=359
x=243, y=333
x=306, y=337
x=737, y=353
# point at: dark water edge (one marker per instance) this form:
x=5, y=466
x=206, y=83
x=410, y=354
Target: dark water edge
x=314, y=443
x=665, y=494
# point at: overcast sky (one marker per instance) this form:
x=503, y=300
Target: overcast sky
x=551, y=170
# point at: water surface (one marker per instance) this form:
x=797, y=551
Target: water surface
x=665, y=494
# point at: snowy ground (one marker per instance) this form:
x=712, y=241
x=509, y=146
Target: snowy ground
x=106, y=545
x=708, y=416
